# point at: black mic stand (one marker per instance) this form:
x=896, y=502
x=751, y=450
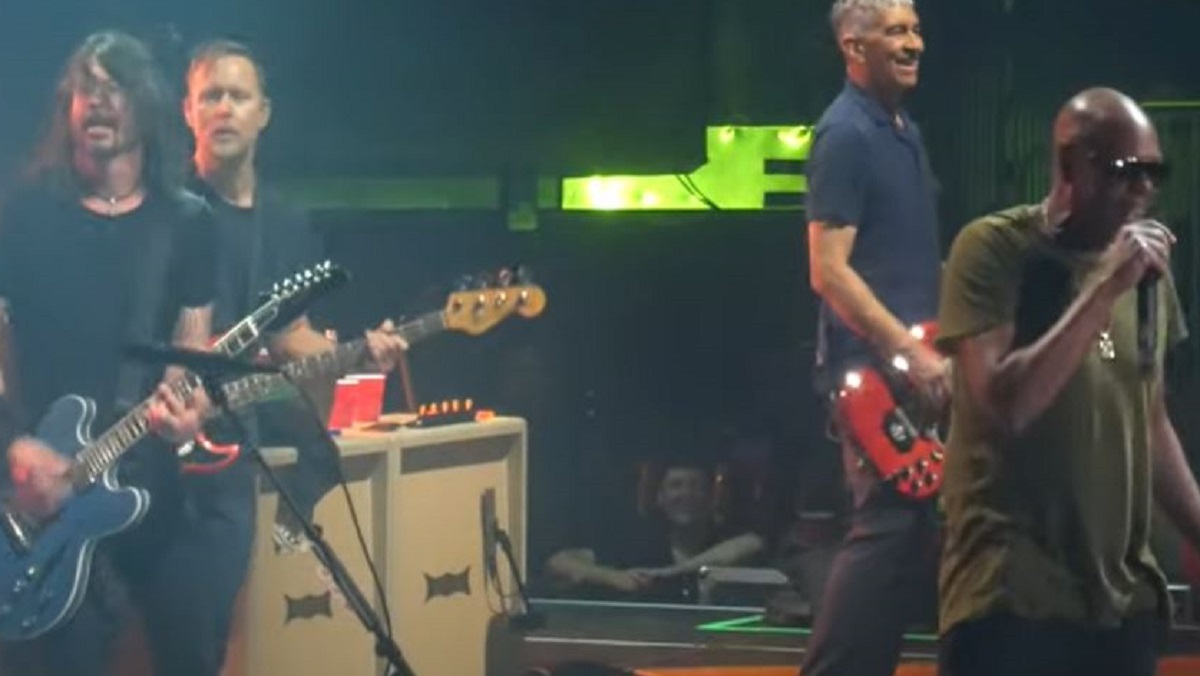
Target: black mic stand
x=530, y=619
x=385, y=646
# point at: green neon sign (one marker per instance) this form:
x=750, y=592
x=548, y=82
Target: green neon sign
x=745, y=167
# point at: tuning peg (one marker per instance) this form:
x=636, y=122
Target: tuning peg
x=483, y=281
x=464, y=283
x=522, y=274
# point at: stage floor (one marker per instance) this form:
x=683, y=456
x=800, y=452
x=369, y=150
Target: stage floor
x=651, y=638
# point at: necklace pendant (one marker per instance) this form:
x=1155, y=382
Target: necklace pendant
x=1108, y=350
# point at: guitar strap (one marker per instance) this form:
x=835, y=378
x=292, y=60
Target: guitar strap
x=259, y=224
x=253, y=284
x=147, y=282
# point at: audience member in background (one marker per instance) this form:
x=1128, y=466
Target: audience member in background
x=658, y=562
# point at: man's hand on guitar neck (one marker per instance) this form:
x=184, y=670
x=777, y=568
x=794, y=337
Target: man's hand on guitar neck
x=175, y=418
x=41, y=479
x=386, y=346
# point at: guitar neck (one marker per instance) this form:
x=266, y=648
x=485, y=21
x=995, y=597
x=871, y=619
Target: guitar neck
x=342, y=359
x=92, y=461
x=102, y=453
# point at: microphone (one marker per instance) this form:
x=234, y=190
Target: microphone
x=1147, y=311
x=1147, y=322
x=203, y=364
x=494, y=537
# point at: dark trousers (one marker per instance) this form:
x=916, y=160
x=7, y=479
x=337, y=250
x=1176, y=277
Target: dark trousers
x=883, y=578
x=182, y=568
x=1001, y=645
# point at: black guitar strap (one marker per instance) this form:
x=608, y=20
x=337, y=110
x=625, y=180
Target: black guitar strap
x=258, y=221
x=148, y=283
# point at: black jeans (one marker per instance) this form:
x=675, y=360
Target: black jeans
x=883, y=578
x=1001, y=645
x=182, y=567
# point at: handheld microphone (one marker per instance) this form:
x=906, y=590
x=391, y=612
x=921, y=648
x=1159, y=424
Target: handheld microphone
x=1147, y=315
x=1147, y=318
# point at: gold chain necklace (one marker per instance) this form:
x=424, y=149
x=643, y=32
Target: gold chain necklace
x=1104, y=342
x=1108, y=349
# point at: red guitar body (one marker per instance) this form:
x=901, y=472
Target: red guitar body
x=210, y=457
x=879, y=411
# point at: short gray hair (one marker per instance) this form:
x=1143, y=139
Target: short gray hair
x=856, y=16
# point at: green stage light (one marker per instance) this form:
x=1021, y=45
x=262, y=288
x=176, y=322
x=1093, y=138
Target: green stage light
x=748, y=167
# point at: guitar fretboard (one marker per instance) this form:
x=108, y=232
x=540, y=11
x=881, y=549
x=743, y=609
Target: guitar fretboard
x=92, y=461
x=343, y=358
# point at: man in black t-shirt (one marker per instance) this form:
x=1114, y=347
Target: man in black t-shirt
x=261, y=238
x=101, y=247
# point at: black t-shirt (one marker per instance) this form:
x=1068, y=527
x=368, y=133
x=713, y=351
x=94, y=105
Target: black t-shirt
x=258, y=246
x=72, y=277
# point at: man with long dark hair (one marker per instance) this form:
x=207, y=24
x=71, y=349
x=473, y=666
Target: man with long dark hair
x=102, y=246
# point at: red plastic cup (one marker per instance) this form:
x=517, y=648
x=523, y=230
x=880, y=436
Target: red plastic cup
x=345, y=396
x=368, y=405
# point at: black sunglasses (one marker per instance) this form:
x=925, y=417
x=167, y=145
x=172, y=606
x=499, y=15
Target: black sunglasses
x=1132, y=168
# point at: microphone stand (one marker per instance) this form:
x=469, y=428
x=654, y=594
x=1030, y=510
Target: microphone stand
x=530, y=619
x=385, y=646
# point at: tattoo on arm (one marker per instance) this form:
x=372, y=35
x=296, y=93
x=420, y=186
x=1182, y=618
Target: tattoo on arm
x=10, y=408
x=192, y=331
x=193, y=328
x=5, y=341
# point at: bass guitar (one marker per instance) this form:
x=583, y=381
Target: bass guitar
x=44, y=564
x=891, y=427
x=472, y=312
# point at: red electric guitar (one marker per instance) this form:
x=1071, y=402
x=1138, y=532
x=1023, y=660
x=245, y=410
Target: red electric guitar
x=885, y=419
x=473, y=312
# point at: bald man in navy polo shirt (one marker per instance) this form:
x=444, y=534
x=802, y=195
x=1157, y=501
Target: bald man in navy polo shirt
x=874, y=261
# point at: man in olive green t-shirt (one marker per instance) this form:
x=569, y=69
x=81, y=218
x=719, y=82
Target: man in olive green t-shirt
x=1059, y=439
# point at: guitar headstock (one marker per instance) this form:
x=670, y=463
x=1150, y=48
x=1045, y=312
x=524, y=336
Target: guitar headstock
x=291, y=296
x=480, y=304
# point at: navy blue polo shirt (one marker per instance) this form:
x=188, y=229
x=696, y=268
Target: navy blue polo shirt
x=865, y=171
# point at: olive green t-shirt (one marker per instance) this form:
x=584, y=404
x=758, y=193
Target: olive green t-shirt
x=1055, y=523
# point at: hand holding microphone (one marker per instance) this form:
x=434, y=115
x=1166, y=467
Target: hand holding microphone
x=1140, y=249
x=1139, y=256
